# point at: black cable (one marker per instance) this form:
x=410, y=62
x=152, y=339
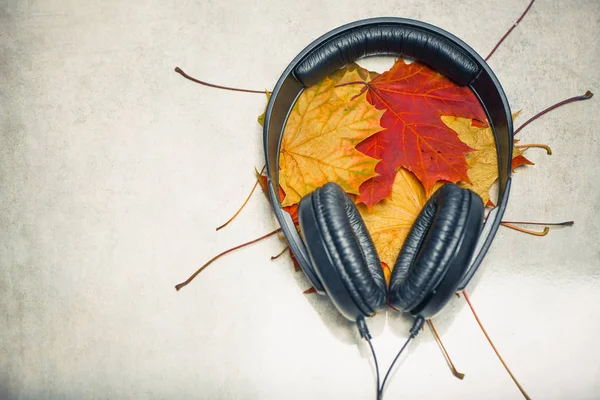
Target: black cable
x=391, y=366
x=414, y=331
x=363, y=329
x=376, y=366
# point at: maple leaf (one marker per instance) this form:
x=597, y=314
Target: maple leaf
x=319, y=140
x=414, y=98
x=261, y=117
x=519, y=160
x=292, y=210
x=483, y=162
x=390, y=220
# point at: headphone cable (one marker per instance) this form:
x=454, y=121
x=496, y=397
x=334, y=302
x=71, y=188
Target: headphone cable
x=376, y=365
x=363, y=329
x=365, y=334
x=414, y=331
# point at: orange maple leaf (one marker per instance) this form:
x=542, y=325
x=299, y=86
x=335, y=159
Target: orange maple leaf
x=390, y=220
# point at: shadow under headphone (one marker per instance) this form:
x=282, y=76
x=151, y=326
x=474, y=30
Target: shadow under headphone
x=448, y=240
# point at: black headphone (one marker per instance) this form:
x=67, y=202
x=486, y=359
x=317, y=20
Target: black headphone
x=448, y=239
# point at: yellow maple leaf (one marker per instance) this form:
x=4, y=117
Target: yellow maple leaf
x=390, y=220
x=483, y=162
x=261, y=117
x=319, y=140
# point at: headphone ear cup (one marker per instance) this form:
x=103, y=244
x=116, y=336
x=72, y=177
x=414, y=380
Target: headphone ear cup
x=350, y=252
x=443, y=237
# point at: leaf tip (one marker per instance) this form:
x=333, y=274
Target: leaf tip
x=459, y=375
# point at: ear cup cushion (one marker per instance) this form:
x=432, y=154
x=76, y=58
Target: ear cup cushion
x=351, y=248
x=432, y=245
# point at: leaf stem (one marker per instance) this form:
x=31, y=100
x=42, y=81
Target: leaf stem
x=186, y=76
x=566, y=223
x=191, y=278
x=538, y=145
x=280, y=253
x=528, y=231
x=464, y=292
x=352, y=83
x=509, y=31
x=355, y=83
x=586, y=96
x=245, y=201
x=455, y=372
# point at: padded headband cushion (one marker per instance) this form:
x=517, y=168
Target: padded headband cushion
x=350, y=247
x=367, y=40
x=432, y=245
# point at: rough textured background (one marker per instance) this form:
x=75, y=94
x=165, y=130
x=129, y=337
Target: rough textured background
x=114, y=172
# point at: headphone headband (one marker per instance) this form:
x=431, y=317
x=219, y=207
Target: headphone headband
x=399, y=37
x=356, y=41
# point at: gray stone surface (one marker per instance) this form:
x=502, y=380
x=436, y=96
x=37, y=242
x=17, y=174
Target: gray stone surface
x=114, y=172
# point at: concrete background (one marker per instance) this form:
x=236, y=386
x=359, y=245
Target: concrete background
x=115, y=171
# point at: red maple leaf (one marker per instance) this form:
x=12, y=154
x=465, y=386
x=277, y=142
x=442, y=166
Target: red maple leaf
x=414, y=136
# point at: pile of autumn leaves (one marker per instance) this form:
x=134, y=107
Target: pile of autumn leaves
x=390, y=141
